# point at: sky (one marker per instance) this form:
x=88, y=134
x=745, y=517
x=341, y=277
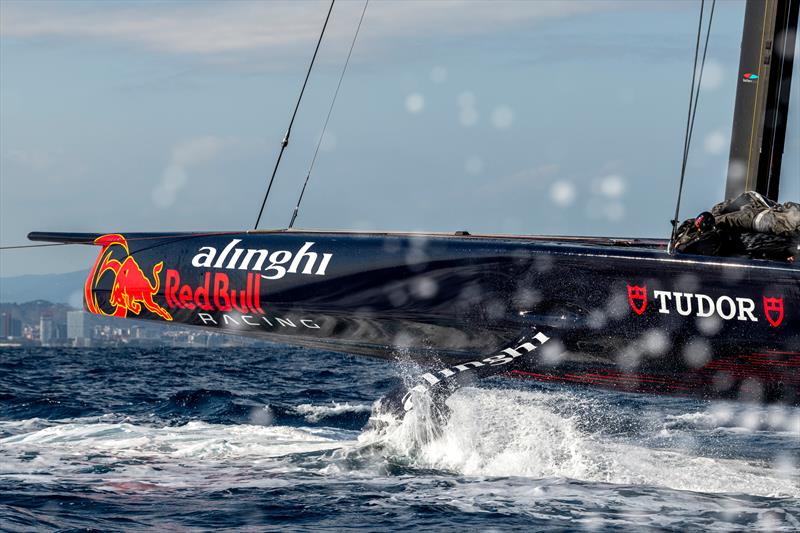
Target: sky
x=515, y=117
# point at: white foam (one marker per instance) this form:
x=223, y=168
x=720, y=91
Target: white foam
x=315, y=413
x=194, y=454
x=194, y=439
x=723, y=416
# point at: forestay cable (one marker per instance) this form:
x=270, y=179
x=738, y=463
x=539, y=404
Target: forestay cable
x=697, y=94
x=285, y=141
x=330, y=111
x=694, y=97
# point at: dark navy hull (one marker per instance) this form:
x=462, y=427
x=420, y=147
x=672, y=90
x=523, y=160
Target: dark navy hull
x=620, y=314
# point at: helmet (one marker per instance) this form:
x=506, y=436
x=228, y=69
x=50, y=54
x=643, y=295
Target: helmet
x=704, y=222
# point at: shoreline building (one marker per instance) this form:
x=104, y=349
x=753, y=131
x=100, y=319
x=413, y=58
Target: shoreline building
x=46, y=330
x=10, y=327
x=80, y=328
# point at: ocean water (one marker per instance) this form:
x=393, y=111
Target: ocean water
x=271, y=438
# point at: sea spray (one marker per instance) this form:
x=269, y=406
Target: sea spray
x=407, y=433
x=496, y=432
x=434, y=386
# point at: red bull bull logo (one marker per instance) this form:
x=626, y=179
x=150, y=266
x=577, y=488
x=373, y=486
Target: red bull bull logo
x=132, y=289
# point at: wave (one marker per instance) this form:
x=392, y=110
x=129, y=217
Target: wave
x=317, y=413
x=224, y=407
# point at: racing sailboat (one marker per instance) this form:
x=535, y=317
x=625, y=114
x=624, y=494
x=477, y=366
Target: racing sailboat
x=620, y=313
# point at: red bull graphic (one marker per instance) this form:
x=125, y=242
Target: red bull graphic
x=217, y=293
x=132, y=289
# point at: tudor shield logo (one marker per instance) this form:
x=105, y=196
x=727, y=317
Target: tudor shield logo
x=637, y=297
x=773, y=310
x=700, y=305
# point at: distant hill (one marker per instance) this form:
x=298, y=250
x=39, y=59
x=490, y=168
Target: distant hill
x=57, y=288
x=29, y=312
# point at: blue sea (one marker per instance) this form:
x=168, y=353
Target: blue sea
x=271, y=438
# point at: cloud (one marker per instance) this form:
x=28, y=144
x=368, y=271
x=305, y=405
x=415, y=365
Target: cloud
x=185, y=155
x=234, y=28
x=188, y=28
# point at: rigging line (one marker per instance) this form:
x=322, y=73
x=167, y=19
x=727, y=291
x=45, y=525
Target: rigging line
x=688, y=123
x=699, y=83
x=21, y=246
x=688, y=143
x=285, y=140
x=330, y=111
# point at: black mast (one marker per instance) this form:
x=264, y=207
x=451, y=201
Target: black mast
x=762, y=97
